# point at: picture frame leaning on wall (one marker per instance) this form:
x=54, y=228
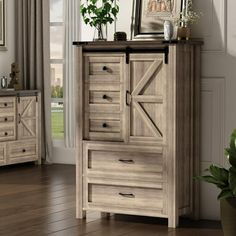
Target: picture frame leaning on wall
x=3, y=25
x=149, y=15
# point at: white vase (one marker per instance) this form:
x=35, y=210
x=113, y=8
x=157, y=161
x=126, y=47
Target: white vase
x=168, y=30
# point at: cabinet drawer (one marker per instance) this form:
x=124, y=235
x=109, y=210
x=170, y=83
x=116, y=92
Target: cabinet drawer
x=103, y=68
x=7, y=119
x=125, y=197
x=7, y=133
x=139, y=166
x=105, y=126
x=7, y=105
x=2, y=154
x=104, y=97
x=21, y=149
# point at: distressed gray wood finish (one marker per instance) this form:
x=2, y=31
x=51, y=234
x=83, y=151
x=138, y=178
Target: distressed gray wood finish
x=138, y=144
x=20, y=127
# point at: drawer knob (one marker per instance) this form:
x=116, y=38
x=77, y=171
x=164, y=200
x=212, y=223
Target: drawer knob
x=104, y=68
x=104, y=96
x=23, y=150
x=104, y=125
x=126, y=161
x=6, y=133
x=5, y=104
x=6, y=119
x=127, y=195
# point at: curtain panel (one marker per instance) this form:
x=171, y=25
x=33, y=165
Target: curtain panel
x=33, y=57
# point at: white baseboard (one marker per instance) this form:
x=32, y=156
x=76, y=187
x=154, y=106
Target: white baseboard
x=62, y=155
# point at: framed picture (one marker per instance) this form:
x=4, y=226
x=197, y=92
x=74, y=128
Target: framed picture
x=2, y=25
x=149, y=16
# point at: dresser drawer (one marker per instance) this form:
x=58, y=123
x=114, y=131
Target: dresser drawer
x=125, y=197
x=7, y=105
x=6, y=119
x=103, y=68
x=143, y=166
x=20, y=149
x=2, y=154
x=7, y=133
x=104, y=126
x=104, y=97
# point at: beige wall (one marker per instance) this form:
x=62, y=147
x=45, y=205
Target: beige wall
x=7, y=57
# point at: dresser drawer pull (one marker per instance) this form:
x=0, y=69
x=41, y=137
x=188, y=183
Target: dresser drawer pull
x=5, y=104
x=127, y=195
x=104, y=68
x=6, y=119
x=104, y=125
x=23, y=150
x=126, y=161
x=6, y=133
x=104, y=96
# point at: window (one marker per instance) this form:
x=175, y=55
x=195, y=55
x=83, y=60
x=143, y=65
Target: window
x=57, y=67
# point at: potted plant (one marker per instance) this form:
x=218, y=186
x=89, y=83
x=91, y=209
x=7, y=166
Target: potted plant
x=225, y=179
x=184, y=19
x=98, y=13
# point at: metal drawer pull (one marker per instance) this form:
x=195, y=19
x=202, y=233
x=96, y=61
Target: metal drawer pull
x=5, y=104
x=104, y=68
x=126, y=161
x=104, y=96
x=104, y=125
x=6, y=119
x=6, y=133
x=128, y=195
x=23, y=150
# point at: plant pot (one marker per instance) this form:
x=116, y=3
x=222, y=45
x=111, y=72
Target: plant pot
x=183, y=33
x=228, y=216
x=100, y=33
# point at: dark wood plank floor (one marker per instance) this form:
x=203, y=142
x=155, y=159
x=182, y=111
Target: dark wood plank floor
x=40, y=200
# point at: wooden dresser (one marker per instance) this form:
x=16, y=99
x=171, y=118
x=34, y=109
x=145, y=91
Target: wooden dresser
x=19, y=127
x=138, y=128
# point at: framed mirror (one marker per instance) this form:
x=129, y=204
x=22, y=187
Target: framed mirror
x=3, y=25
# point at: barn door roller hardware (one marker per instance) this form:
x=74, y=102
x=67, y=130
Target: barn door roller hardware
x=128, y=50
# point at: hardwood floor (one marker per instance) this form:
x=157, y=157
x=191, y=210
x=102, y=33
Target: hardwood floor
x=40, y=200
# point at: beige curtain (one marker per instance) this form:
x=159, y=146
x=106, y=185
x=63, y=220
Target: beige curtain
x=32, y=54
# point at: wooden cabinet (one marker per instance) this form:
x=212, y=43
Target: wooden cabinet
x=19, y=127
x=138, y=128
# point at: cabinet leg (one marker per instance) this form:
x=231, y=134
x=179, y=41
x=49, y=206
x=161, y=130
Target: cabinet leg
x=105, y=215
x=80, y=214
x=38, y=162
x=173, y=222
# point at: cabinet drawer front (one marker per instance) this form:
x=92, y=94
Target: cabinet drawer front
x=104, y=97
x=125, y=161
x=2, y=154
x=105, y=126
x=7, y=119
x=7, y=105
x=7, y=133
x=130, y=197
x=21, y=148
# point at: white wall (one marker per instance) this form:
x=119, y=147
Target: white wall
x=218, y=87
x=7, y=57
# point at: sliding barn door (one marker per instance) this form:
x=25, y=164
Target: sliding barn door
x=146, y=98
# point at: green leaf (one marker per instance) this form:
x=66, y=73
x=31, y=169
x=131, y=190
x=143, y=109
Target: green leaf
x=226, y=193
x=212, y=180
x=219, y=173
x=232, y=180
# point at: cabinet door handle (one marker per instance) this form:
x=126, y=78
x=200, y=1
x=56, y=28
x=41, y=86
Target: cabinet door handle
x=127, y=98
x=127, y=195
x=126, y=161
x=19, y=116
